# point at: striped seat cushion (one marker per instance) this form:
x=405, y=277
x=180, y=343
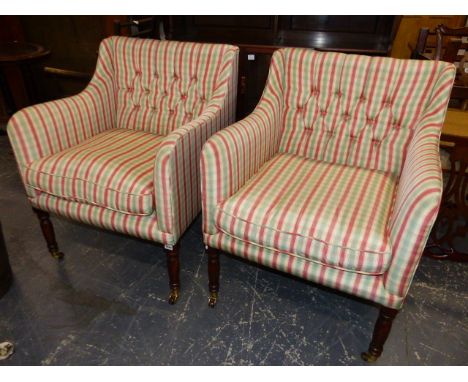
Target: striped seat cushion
x=113, y=169
x=336, y=215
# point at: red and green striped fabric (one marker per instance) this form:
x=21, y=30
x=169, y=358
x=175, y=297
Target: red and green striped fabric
x=114, y=169
x=331, y=214
x=354, y=110
x=164, y=99
x=162, y=85
x=368, y=115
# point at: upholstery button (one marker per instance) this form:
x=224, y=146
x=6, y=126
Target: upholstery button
x=153, y=108
x=352, y=137
x=346, y=116
x=130, y=90
x=194, y=78
x=323, y=112
x=138, y=73
x=165, y=94
x=330, y=133
x=147, y=90
x=375, y=141
x=171, y=111
x=176, y=77
x=136, y=106
x=183, y=96
x=338, y=94
x=203, y=99
x=189, y=115
x=362, y=98
x=299, y=107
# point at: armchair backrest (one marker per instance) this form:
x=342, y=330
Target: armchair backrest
x=161, y=85
x=352, y=109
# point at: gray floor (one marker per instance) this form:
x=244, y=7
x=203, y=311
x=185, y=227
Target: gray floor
x=105, y=304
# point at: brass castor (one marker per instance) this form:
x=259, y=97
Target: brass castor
x=56, y=254
x=173, y=296
x=213, y=299
x=368, y=357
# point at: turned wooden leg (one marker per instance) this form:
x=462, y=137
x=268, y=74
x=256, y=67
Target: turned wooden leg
x=213, y=275
x=172, y=255
x=381, y=331
x=48, y=232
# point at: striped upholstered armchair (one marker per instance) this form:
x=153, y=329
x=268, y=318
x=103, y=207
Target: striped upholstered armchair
x=123, y=154
x=335, y=177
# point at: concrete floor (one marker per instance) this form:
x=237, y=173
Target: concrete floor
x=105, y=304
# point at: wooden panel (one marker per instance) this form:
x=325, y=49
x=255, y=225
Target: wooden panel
x=360, y=34
x=73, y=40
x=253, y=74
x=352, y=34
x=408, y=31
x=251, y=22
x=357, y=24
x=223, y=29
x=74, y=43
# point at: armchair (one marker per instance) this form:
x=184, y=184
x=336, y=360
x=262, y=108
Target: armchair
x=335, y=177
x=123, y=154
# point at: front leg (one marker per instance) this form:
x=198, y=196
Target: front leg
x=48, y=232
x=172, y=255
x=381, y=331
x=213, y=275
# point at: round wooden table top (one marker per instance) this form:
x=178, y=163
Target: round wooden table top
x=15, y=51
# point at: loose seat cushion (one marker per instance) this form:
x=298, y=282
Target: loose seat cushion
x=333, y=214
x=113, y=169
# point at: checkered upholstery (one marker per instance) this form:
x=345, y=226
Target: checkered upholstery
x=113, y=169
x=335, y=176
x=123, y=153
x=331, y=214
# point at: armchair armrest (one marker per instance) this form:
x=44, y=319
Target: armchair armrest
x=419, y=191
x=232, y=156
x=44, y=129
x=177, y=163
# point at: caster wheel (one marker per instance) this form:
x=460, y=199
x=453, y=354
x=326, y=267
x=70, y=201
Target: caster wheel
x=6, y=350
x=173, y=297
x=213, y=299
x=57, y=255
x=368, y=357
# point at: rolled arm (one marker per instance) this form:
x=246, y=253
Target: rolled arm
x=419, y=191
x=44, y=129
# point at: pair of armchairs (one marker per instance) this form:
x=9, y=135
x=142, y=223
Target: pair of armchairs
x=335, y=177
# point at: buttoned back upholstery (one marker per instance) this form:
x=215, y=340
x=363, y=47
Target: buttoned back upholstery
x=350, y=109
x=161, y=85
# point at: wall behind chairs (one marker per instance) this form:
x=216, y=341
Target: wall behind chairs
x=73, y=41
